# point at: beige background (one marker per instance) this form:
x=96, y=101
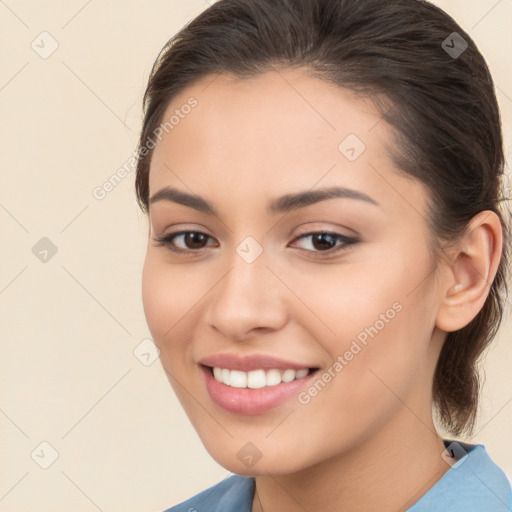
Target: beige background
x=69, y=376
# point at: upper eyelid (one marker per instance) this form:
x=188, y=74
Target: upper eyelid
x=306, y=233
x=353, y=233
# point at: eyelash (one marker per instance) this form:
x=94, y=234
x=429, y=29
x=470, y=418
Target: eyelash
x=166, y=241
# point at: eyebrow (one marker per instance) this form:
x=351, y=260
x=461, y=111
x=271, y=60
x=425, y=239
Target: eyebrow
x=281, y=204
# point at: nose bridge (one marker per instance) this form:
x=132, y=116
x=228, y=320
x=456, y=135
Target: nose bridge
x=248, y=295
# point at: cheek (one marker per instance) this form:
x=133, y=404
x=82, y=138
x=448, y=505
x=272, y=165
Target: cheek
x=166, y=299
x=343, y=302
x=154, y=299
x=378, y=322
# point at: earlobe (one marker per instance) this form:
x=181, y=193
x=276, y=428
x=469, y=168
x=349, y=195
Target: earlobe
x=471, y=272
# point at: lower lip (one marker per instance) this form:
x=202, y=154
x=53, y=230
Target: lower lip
x=252, y=401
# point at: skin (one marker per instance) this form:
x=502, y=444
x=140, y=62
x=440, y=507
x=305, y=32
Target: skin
x=247, y=142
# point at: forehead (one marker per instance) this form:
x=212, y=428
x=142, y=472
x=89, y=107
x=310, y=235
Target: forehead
x=276, y=132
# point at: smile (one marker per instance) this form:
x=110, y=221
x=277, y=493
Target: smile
x=257, y=379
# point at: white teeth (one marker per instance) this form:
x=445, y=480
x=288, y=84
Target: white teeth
x=273, y=378
x=288, y=375
x=217, y=373
x=256, y=379
x=301, y=373
x=237, y=379
x=226, y=376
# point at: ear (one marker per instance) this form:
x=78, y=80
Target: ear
x=470, y=272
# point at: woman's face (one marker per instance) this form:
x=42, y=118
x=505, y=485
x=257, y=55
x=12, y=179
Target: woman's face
x=256, y=295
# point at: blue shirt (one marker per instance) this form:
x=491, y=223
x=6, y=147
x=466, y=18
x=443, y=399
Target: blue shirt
x=474, y=483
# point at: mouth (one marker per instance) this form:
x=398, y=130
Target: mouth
x=253, y=385
x=257, y=379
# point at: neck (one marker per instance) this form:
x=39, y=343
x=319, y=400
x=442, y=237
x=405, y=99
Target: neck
x=385, y=473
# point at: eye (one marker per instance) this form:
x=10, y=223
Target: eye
x=193, y=240
x=323, y=242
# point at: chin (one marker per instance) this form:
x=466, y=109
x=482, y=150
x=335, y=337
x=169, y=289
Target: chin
x=245, y=459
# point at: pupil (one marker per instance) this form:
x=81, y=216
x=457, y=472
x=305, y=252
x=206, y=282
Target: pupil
x=322, y=237
x=194, y=238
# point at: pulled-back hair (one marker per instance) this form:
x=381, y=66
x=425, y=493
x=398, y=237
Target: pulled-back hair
x=440, y=105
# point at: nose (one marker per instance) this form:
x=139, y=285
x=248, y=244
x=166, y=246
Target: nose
x=248, y=301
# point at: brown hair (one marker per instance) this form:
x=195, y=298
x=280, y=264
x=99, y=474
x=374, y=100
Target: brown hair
x=441, y=105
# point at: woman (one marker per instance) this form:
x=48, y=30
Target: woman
x=327, y=251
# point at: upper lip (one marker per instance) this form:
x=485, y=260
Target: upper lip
x=247, y=363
